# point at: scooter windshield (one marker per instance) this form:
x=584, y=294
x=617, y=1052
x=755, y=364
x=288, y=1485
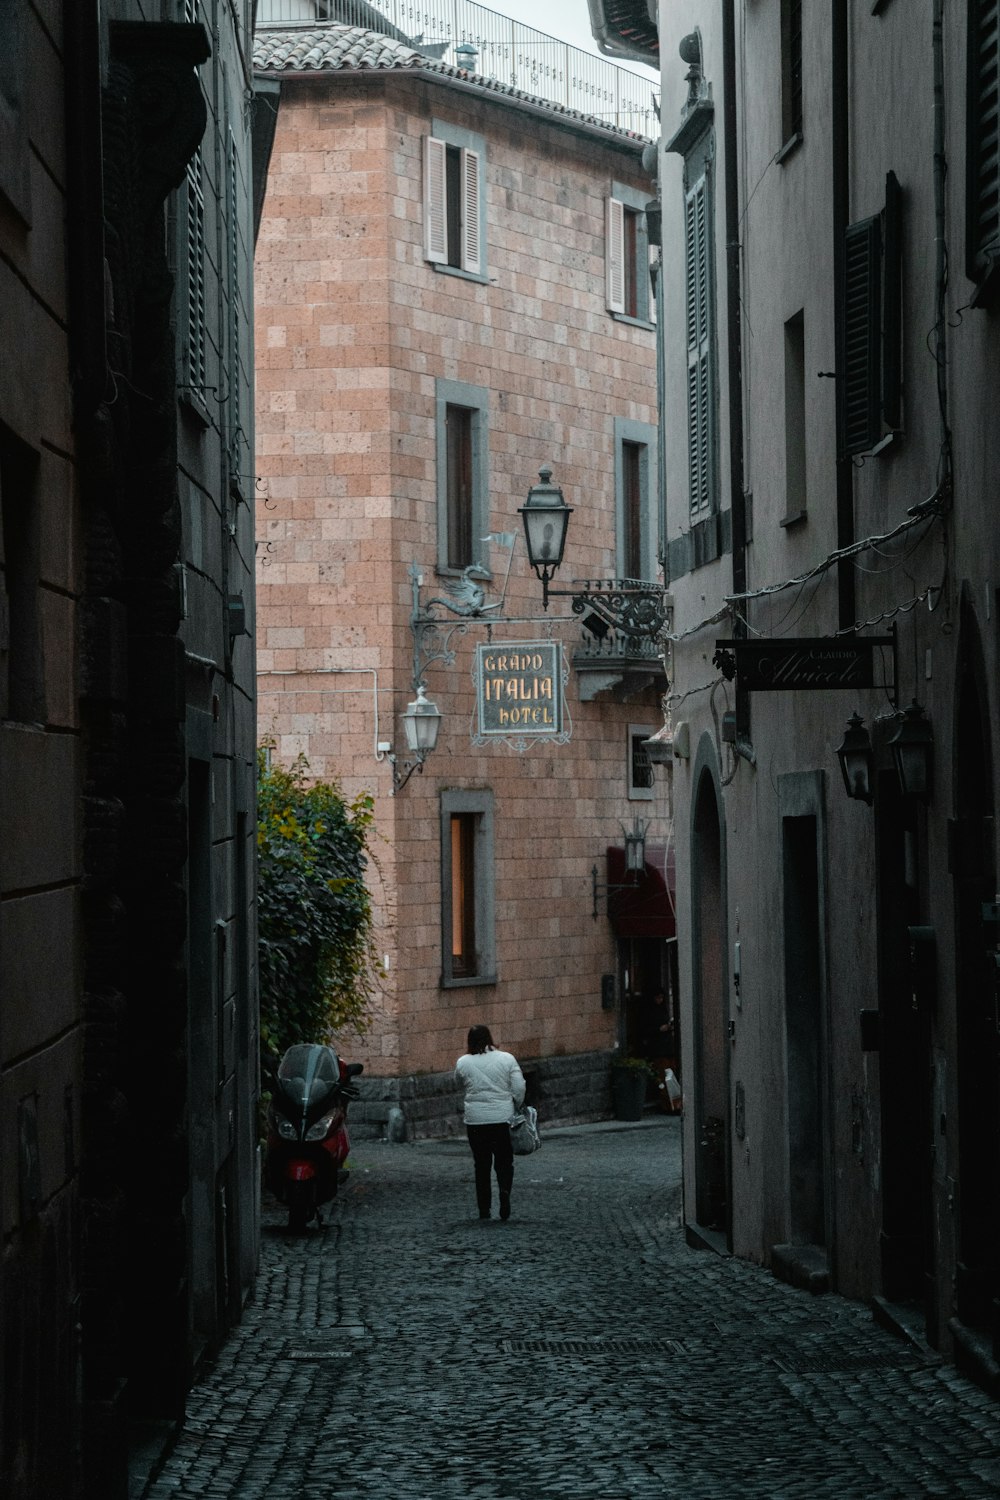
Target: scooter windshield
x=308, y=1074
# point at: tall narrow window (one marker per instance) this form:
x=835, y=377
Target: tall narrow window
x=791, y=71
x=982, y=249
x=632, y=510
x=462, y=485
x=631, y=235
x=635, y=491
x=463, y=894
x=22, y=682
x=701, y=466
x=795, y=420
x=453, y=199
x=640, y=767
x=235, y=302
x=468, y=939
x=458, y=424
x=15, y=171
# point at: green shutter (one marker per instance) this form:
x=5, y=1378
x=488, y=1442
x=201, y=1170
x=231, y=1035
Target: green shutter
x=983, y=159
x=860, y=342
x=699, y=332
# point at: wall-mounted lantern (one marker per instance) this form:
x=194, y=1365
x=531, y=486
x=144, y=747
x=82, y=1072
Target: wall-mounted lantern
x=856, y=759
x=421, y=723
x=635, y=862
x=912, y=749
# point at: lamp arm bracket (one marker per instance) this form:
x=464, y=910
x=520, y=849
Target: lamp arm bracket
x=432, y=642
x=401, y=775
x=626, y=604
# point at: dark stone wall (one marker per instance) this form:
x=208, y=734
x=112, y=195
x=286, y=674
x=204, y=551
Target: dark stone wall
x=564, y=1090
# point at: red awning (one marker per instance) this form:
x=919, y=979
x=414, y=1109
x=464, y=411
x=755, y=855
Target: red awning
x=644, y=907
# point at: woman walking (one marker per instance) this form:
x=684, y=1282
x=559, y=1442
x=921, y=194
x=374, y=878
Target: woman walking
x=494, y=1088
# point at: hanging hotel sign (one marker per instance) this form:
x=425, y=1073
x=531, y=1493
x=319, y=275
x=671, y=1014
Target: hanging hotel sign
x=803, y=664
x=519, y=691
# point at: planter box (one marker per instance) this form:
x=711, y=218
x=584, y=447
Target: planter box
x=628, y=1092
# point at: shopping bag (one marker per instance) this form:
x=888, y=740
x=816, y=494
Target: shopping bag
x=524, y=1135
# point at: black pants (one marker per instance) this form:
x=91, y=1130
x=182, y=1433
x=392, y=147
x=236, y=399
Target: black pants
x=491, y=1147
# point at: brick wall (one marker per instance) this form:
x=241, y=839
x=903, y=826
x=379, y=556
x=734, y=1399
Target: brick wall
x=354, y=329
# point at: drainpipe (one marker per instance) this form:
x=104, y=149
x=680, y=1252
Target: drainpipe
x=846, y=602
x=737, y=498
x=940, y=252
x=85, y=193
x=734, y=314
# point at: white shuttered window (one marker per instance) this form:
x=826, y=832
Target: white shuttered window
x=453, y=206
x=435, y=205
x=615, y=242
x=469, y=163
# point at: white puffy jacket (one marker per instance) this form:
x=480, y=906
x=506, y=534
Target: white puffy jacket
x=493, y=1084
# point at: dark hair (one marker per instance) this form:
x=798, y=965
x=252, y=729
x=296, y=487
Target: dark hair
x=479, y=1038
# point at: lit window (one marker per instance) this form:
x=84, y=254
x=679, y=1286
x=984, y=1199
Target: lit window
x=467, y=898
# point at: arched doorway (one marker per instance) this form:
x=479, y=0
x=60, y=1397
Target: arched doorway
x=710, y=1010
x=973, y=868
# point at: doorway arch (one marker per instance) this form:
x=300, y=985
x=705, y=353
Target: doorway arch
x=973, y=867
x=709, y=1001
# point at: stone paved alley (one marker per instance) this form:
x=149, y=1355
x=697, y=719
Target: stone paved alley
x=412, y=1352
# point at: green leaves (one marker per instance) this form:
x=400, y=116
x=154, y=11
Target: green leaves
x=317, y=966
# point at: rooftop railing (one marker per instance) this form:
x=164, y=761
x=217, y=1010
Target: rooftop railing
x=505, y=50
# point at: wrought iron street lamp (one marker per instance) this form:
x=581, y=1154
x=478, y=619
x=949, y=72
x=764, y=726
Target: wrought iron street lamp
x=421, y=723
x=627, y=604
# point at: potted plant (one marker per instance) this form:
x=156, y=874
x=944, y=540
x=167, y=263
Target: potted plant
x=629, y=1079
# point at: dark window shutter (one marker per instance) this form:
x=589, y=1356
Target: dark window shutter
x=861, y=337
x=892, y=333
x=983, y=145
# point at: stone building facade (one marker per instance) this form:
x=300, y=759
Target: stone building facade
x=434, y=279
x=829, y=182
x=128, y=1072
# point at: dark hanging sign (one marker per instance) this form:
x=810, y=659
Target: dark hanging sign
x=519, y=689
x=805, y=664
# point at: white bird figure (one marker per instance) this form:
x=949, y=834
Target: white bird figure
x=468, y=597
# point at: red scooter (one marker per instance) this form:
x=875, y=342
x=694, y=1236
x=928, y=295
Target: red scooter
x=307, y=1140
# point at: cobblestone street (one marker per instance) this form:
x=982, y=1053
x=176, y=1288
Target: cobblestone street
x=410, y=1351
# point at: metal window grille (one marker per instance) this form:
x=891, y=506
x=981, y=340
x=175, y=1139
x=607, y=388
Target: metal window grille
x=507, y=50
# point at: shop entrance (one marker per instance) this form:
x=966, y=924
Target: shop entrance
x=710, y=1012
x=642, y=916
x=904, y=1058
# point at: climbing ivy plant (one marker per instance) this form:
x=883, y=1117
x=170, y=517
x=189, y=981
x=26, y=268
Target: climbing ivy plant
x=317, y=964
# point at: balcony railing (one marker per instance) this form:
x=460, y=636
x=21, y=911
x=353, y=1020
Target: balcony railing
x=505, y=50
